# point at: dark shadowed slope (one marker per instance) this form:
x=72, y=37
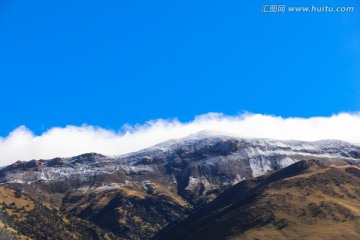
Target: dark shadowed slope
x=306, y=200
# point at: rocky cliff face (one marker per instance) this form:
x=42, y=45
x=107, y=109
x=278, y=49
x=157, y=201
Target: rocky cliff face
x=144, y=191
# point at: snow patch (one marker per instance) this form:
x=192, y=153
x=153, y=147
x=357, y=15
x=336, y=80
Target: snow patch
x=193, y=183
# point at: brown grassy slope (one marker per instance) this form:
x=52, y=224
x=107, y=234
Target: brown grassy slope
x=306, y=200
x=24, y=218
x=129, y=212
x=13, y=207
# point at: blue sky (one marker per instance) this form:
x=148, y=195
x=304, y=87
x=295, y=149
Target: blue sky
x=108, y=63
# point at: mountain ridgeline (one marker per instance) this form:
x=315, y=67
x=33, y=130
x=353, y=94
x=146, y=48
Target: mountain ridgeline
x=134, y=196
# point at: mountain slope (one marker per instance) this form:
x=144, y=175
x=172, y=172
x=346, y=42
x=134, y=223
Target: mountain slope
x=197, y=168
x=24, y=218
x=137, y=194
x=306, y=200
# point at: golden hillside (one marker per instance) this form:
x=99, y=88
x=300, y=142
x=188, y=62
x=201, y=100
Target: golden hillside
x=22, y=218
x=306, y=200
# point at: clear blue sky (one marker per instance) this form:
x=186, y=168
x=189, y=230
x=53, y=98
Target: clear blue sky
x=108, y=63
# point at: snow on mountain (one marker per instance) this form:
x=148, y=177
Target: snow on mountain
x=163, y=183
x=196, y=165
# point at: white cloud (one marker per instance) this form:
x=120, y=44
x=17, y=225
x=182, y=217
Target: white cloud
x=22, y=144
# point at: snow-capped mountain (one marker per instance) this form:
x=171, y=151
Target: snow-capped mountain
x=163, y=183
x=205, y=160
